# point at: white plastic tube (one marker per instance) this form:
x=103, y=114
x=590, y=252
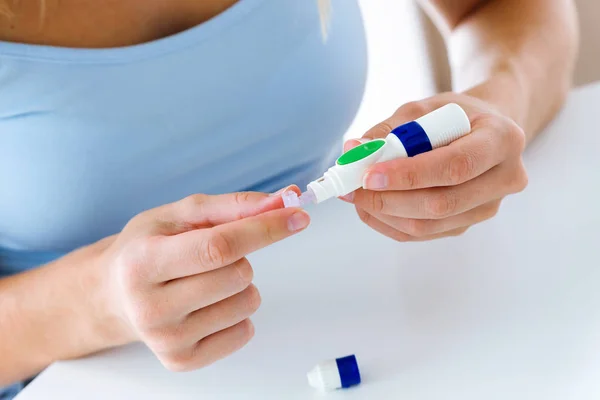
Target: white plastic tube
x=436, y=129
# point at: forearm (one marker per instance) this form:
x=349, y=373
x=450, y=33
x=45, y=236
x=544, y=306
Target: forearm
x=52, y=313
x=517, y=55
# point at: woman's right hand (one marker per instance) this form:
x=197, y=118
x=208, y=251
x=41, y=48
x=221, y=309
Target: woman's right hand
x=178, y=278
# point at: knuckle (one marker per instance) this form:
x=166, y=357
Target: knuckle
x=146, y=315
x=461, y=170
x=402, y=237
x=459, y=231
x=253, y=299
x=417, y=227
x=512, y=135
x=410, y=178
x=138, y=220
x=177, y=363
x=242, y=197
x=516, y=137
x=518, y=179
x=377, y=202
x=128, y=268
x=495, y=122
x=214, y=250
x=194, y=200
x=363, y=215
x=164, y=341
x=440, y=206
x=145, y=248
x=247, y=330
x=522, y=180
x=245, y=272
x=190, y=204
x=133, y=262
x=380, y=130
x=493, y=210
x=269, y=232
x=413, y=109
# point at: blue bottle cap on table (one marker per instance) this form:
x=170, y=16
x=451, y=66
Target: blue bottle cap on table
x=340, y=373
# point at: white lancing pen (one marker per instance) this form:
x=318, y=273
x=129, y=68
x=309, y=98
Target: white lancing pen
x=436, y=129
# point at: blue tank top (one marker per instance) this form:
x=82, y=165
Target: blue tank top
x=253, y=99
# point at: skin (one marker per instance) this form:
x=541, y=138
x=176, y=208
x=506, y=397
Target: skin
x=512, y=63
x=176, y=278
x=74, y=23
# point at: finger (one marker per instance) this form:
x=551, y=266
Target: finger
x=216, y=210
x=399, y=236
x=203, y=250
x=211, y=349
x=352, y=143
x=211, y=319
x=444, y=202
x=280, y=192
x=427, y=227
x=493, y=140
x=406, y=113
x=224, y=314
x=201, y=211
x=198, y=291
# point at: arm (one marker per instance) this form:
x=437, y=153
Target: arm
x=517, y=55
x=55, y=312
x=512, y=63
x=175, y=278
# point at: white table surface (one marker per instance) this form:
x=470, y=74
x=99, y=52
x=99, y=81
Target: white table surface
x=510, y=310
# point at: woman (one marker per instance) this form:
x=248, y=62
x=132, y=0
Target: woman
x=114, y=115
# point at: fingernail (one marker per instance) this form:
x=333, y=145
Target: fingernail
x=348, y=145
x=349, y=197
x=375, y=180
x=298, y=221
x=351, y=143
x=280, y=191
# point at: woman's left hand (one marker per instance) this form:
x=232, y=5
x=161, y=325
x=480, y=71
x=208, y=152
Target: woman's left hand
x=447, y=190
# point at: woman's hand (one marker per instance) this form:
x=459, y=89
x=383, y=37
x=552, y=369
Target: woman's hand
x=445, y=191
x=179, y=280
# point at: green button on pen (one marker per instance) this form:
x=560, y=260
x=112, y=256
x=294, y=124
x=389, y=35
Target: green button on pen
x=359, y=152
x=436, y=129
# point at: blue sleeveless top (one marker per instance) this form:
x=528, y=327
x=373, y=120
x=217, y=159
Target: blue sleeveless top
x=253, y=99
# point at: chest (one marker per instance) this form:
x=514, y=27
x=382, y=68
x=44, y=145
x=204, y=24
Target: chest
x=89, y=138
x=104, y=23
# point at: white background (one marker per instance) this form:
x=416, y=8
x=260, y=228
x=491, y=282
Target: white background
x=509, y=311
